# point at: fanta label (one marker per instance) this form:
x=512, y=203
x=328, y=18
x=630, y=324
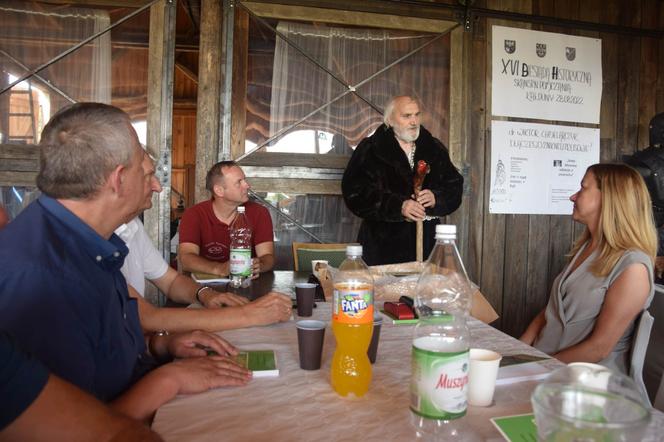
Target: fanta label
x=353, y=304
x=439, y=383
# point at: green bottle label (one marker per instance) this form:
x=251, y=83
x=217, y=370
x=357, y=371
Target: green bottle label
x=439, y=381
x=240, y=262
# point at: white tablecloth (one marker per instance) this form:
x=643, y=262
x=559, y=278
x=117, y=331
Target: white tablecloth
x=300, y=405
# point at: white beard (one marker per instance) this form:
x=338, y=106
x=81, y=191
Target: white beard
x=405, y=135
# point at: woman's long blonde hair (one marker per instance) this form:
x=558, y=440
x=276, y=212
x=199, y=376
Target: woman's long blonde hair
x=625, y=221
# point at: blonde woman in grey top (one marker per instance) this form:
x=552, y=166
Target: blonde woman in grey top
x=609, y=279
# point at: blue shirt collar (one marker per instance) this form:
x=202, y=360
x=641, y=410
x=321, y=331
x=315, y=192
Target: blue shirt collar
x=110, y=253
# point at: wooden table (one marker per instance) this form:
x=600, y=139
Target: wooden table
x=278, y=280
x=300, y=405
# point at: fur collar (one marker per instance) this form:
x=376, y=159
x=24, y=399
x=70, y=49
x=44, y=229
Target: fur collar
x=386, y=147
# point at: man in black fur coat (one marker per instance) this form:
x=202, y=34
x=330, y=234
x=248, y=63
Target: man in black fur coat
x=378, y=185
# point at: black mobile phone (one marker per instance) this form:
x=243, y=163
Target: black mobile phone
x=410, y=303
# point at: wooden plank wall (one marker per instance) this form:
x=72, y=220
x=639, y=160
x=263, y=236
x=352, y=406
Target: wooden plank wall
x=19, y=164
x=516, y=257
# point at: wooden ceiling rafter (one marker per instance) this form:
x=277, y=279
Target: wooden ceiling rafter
x=186, y=5
x=133, y=4
x=126, y=43
x=181, y=65
x=369, y=13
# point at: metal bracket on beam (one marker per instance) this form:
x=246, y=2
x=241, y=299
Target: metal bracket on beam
x=468, y=15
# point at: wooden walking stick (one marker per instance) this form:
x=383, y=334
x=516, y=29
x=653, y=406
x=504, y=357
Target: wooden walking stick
x=420, y=172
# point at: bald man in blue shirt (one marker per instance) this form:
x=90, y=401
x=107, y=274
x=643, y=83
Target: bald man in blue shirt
x=62, y=294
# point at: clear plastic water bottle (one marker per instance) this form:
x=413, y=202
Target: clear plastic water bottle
x=441, y=342
x=240, y=256
x=352, y=324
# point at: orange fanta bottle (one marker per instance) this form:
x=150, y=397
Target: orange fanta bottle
x=352, y=324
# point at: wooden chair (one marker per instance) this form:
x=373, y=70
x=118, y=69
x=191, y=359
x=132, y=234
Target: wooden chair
x=304, y=252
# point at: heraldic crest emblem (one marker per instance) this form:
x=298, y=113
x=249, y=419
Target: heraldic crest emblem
x=570, y=53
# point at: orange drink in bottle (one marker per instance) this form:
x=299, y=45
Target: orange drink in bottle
x=352, y=325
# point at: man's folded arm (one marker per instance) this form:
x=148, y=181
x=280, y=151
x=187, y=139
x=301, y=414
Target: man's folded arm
x=61, y=407
x=265, y=254
x=191, y=261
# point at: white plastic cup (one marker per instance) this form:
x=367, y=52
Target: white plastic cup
x=592, y=375
x=482, y=373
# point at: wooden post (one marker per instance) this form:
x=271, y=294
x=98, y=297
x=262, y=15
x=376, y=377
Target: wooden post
x=227, y=50
x=4, y=116
x=419, y=239
x=458, y=143
x=161, y=62
x=240, y=72
x=209, y=93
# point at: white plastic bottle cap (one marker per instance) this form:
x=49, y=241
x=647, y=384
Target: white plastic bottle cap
x=354, y=250
x=240, y=209
x=446, y=231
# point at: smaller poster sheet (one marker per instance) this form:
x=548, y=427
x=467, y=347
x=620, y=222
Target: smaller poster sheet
x=542, y=75
x=535, y=168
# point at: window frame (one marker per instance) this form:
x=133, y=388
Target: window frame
x=311, y=173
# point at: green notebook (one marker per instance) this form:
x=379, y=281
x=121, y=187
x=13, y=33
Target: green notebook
x=263, y=363
x=396, y=321
x=518, y=428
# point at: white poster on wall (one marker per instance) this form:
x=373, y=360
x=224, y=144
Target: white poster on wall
x=542, y=75
x=535, y=168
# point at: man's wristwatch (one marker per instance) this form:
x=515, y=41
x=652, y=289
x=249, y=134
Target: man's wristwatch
x=198, y=293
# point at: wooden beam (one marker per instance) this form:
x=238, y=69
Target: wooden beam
x=4, y=116
x=19, y=151
x=23, y=179
x=296, y=186
x=184, y=104
x=227, y=30
x=209, y=92
x=186, y=5
x=161, y=74
x=186, y=71
x=240, y=75
x=134, y=41
x=275, y=159
x=19, y=164
x=437, y=10
x=133, y=4
x=410, y=18
x=459, y=127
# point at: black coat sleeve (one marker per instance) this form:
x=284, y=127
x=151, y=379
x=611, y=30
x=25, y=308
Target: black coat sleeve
x=366, y=187
x=444, y=181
